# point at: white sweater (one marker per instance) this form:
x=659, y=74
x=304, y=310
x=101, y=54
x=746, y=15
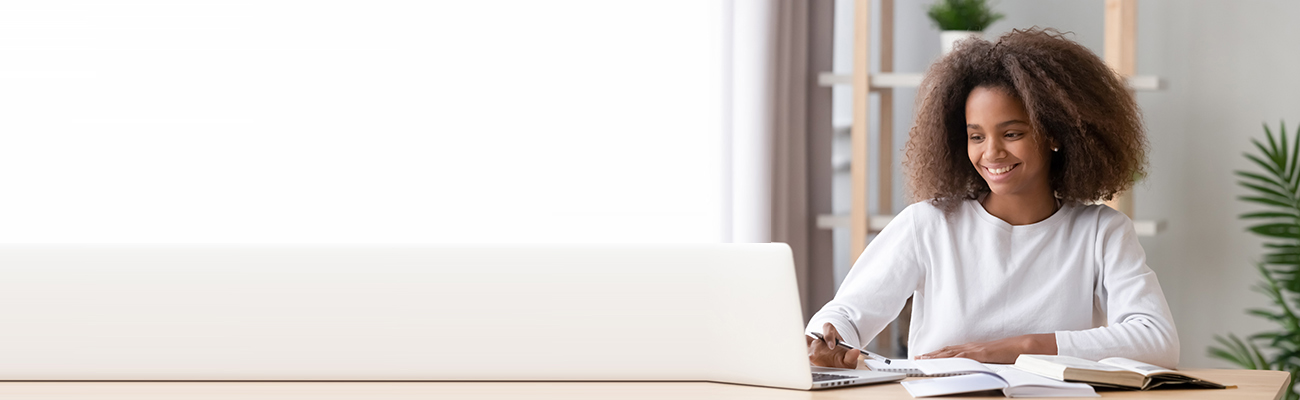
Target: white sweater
x=974, y=278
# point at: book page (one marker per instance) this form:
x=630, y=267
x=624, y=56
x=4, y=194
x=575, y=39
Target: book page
x=1025, y=384
x=941, y=366
x=996, y=368
x=894, y=364
x=1015, y=377
x=1074, y=362
x=954, y=385
x=1137, y=366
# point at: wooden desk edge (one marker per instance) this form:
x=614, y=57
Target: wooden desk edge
x=1251, y=384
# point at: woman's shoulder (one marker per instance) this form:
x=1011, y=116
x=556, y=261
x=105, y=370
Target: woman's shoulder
x=1101, y=216
x=931, y=215
x=935, y=209
x=925, y=210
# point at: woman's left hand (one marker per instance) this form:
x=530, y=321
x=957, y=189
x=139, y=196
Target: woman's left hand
x=1003, y=351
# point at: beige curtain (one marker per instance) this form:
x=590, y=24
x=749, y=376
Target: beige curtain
x=801, y=142
x=777, y=133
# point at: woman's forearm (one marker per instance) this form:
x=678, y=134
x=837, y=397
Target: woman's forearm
x=1040, y=343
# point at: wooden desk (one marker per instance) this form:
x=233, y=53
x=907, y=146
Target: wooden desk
x=1251, y=385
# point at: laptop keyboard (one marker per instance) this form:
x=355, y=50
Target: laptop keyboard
x=820, y=377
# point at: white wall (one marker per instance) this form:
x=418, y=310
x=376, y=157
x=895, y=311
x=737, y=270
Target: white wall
x=1228, y=66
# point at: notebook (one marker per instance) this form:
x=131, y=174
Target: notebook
x=976, y=377
x=902, y=366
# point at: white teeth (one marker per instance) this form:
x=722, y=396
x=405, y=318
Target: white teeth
x=1001, y=171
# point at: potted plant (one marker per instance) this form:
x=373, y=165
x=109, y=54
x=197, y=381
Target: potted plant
x=960, y=19
x=1278, y=189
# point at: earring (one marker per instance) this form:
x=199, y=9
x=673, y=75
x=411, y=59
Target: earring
x=1055, y=149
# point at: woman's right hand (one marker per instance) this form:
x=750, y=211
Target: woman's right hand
x=827, y=354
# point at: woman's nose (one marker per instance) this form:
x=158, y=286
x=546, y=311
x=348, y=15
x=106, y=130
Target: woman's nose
x=995, y=150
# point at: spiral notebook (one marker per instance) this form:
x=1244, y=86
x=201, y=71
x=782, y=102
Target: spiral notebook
x=908, y=367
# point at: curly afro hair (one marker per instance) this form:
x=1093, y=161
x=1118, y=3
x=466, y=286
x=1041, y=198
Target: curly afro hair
x=1073, y=99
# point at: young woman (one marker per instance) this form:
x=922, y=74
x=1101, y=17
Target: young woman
x=1014, y=143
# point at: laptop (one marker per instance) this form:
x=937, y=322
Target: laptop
x=499, y=312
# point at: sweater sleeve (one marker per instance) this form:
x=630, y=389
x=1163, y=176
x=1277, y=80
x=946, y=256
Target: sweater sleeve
x=877, y=286
x=1140, y=324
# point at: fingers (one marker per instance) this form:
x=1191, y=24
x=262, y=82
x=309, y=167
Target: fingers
x=945, y=352
x=832, y=336
x=834, y=357
x=954, y=352
x=850, y=359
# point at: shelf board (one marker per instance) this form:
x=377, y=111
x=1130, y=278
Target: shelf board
x=875, y=223
x=1148, y=227
x=832, y=221
x=895, y=80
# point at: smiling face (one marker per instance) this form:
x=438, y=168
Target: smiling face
x=1002, y=145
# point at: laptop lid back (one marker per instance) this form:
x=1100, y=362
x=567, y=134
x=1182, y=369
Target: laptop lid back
x=718, y=312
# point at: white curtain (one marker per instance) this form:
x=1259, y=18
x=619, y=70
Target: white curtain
x=748, y=134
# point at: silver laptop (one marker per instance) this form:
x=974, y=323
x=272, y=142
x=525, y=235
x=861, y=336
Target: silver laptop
x=722, y=313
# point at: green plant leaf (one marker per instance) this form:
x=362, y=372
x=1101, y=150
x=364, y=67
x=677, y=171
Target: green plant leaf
x=1259, y=356
x=1295, y=156
x=1264, y=179
x=1264, y=313
x=1282, y=259
x=1273, y=201
x=1282, y=158
x=1267, y=191
x=962, y=15
x=1277, y=188
x=1265, y=335
x=1231, y=354
x=1271, y=155
x=1264, y=165
x=1237, y=352
x=1272, y=143
x=1269, y=214
x=1229, y=357
x=1280, y=341
x=1256, y=360
x=1284, y=252
x=1268, y=201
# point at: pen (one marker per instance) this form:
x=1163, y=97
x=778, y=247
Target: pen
x=841, y=343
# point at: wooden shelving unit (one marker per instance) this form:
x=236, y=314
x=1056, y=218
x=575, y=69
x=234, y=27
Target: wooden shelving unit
x=1120, y=52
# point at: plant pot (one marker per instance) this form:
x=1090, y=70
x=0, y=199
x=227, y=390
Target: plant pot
x=948, y=38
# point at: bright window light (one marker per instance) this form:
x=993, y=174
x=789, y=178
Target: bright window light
x=361, y=121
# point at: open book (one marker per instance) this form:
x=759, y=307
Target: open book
x=981, y=377
x=1116, y=372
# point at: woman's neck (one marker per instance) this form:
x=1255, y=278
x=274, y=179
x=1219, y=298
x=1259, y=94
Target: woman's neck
x=1020, y=209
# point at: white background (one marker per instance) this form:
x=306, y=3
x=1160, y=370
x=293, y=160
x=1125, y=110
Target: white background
x=403, y=121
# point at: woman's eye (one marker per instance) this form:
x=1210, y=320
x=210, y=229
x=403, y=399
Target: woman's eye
x=976, y=138
x=1013, y=135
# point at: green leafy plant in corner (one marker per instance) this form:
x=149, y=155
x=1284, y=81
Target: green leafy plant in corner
x=1277, y=188
x=963, y=15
